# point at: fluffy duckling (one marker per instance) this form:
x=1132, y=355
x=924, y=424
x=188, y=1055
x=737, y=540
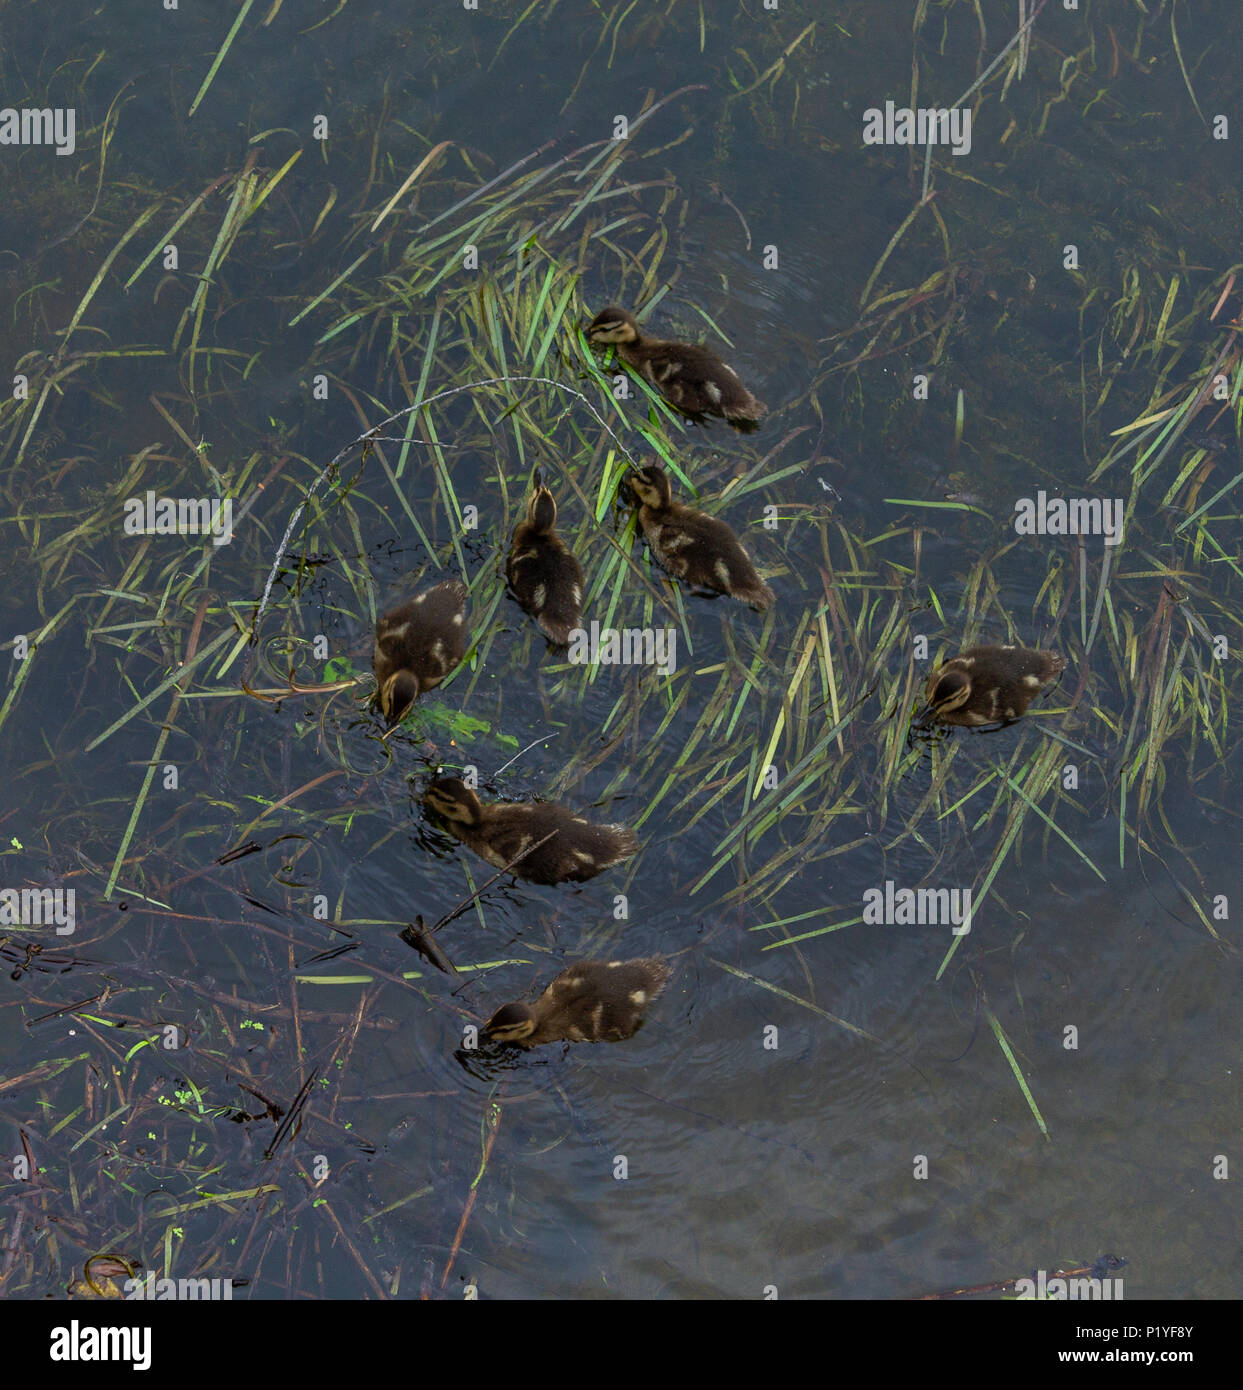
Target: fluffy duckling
x=689, y=375
x=545, y=578
x=578, y=849
x=988, y=685
x=593, y=1001
x=417, y=645
x=693, y=546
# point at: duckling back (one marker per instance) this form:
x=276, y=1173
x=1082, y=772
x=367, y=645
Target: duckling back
x=699, y=549
x=695, y=379
x=705, y=552
x=540, y=841
x=689, y=375
x=544, y=576
x=418, y=643
x=578, y=850
x=593, y=1001
x=989, y=685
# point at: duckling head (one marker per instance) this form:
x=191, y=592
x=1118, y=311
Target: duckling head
x=541, y=507
x=951, y=691
x=613, y=325
x=397, y=696
x=651, y=486
x=454, y=800
x=512, y=1023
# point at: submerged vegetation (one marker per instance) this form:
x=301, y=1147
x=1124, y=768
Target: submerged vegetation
x=370, y=349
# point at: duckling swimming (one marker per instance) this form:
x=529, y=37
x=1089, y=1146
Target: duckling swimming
x=545, y=578
x=988, y=685
x=690, y=376
x=417, y=645
x=577, y=850
x=593, y=1001
x=694, y=547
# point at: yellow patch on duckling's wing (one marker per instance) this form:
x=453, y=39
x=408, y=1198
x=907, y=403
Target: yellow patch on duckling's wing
x=673, y=540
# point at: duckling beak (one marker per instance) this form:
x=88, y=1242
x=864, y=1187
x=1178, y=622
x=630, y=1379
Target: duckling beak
x=923, y=718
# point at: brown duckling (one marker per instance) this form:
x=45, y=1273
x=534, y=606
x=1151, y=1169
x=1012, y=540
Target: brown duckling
x=417, y=645
x=692, y=546
x=578, y=850
x=988, y=685
x=545, y=578
x=689, y=375
x=593, y=1001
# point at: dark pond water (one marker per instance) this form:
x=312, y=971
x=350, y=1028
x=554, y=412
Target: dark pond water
x=817, y=1105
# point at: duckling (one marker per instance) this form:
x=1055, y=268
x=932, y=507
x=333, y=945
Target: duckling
x=693, y=546
x=988, y=685
x=593, y=1001
x=546, y=579
x=417, y=645
x=578, y=850
x=689, y=375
